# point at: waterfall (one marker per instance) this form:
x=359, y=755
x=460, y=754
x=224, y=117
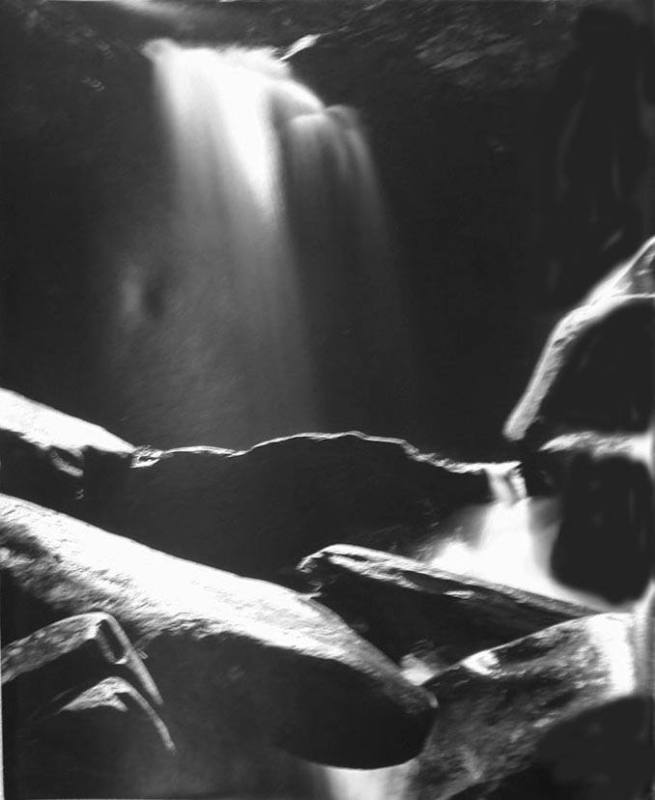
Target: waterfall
x=219, y=113
x=347, y=254
x=267, y=304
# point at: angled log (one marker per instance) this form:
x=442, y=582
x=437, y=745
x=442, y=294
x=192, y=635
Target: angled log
x=404, y=607
x=69, y=653
x=105, y=741
x=554, y=712
x=229, y=655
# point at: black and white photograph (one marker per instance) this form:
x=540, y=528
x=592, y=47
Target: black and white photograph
x=327, y=399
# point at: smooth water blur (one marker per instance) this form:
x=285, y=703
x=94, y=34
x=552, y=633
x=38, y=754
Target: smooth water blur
x=236, y=261
x=507, y=541
x=260, y=299
x=390, y=783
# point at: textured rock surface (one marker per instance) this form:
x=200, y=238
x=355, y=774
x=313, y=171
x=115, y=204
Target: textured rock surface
x=106, y=740
x=256, y=512
x=583, y=424
x=228, y=654
x=46, y=456
x=538, y=708
x=404, y=607
x=260, y=511
x=69, y=653
x=584, y=380
x=50, y=430
x=599, y=754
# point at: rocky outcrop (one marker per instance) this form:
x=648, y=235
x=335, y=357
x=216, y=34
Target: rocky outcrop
x=78, y=702
x=255, y=512
x=260, y=511
x=454, y=109
x=584, y=425
x=106, y=739
x=228, y=654
x=68, y=653
x=583, y=379
x=405, y=608
x=242, y=673
x=605, y=543
x=48, y=457
x=553, y=715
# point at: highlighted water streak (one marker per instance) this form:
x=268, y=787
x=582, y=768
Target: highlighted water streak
x=220, y=111
x=255, y=294
x=506, y=541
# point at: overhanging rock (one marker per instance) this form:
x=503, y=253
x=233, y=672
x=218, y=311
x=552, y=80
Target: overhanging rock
x=406, y=608
x=256, y=512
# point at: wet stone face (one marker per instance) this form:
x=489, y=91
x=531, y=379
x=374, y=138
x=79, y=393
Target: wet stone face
x=585, y=427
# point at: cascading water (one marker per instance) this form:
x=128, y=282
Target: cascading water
x=219, y=111
x=273, y=294
x=507, y=541
x=353, y=299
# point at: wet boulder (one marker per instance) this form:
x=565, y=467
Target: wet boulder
x=454, y=110
x=260, y=511
x=103, y=740
x=550, y=715
x=69, y=653
x=408, y=609
x=256, y=512
x=605, y=544
x=595, y=372
x=47, y=456
x=582, y=425
x=233, y=658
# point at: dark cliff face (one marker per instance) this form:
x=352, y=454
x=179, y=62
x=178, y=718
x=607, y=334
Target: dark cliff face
x=452, y=96
x=72, y=122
